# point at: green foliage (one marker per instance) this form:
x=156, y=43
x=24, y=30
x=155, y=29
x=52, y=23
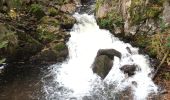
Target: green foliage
x=163, y=25
x=139, y=11
x=106, y=23
x=112, y=19
x=60, y=47
x=45, y=35
x=16, y=4
x=52, y=11
x=166, y=75
x=2, y=60
x=153, y=11
x=37, y=11
x=4, y=44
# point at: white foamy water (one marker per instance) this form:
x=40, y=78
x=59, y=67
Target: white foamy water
x=76, y=73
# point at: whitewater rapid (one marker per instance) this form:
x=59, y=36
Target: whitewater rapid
x=75, y=74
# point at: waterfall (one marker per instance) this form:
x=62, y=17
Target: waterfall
x=74, y=77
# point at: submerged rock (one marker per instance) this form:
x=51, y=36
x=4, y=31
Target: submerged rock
x=104, y=61
x=129, y=69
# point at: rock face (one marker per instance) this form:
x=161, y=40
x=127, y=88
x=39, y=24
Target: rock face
x=104, y=61
x=128, y=16
x=129, y=69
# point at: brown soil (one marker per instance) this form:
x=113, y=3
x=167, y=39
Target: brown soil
x=164, y=81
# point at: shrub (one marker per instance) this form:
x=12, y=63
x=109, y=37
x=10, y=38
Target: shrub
x=37, y=11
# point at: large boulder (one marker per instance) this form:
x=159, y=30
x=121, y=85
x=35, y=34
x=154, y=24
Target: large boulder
x=109, y=52
x=102, y=65
x=129, y=69
x=104, y=61
x=67, y=21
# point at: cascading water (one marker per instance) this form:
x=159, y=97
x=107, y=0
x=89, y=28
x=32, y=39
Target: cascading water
x=74, y=79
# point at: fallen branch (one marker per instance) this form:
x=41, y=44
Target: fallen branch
x=159, y=66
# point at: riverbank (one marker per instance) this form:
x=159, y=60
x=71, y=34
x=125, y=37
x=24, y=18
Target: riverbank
x=35, y=31
x=144, y=24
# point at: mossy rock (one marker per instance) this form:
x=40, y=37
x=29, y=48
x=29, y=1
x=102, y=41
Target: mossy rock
x=55, y=52
x=28, y=46
x=52, y=11
x=8, y=41
x=60, y=47
x=37, y=11
x=67, y=21
x=46, y=33
x=50, y=21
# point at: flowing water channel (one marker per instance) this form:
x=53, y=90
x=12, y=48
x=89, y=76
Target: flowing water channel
x=73, y=79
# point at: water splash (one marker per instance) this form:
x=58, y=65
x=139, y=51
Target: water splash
x=76, y=74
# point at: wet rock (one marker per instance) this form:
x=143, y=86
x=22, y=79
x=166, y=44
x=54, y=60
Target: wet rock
x=129, y=69
x=54, y=52
x=68, y=8
x=104, y=61
x=109, y=52
x=102, y=65
x=27, y=47
x=67, y=21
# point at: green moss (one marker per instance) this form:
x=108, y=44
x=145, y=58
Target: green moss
x=60, y=47
x=37, y=11
x=50, y=21
x=45, y=34
x=113, y=18
x=3, y=44
x=142, y=40
x=9, y=42
x=139, y=11
x=166, y=75
x=52, y=11
x=153, y=11
x=106, y=23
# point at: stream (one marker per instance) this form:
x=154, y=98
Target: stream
x=74, y=79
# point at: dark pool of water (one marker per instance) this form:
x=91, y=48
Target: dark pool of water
x=22, y=82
